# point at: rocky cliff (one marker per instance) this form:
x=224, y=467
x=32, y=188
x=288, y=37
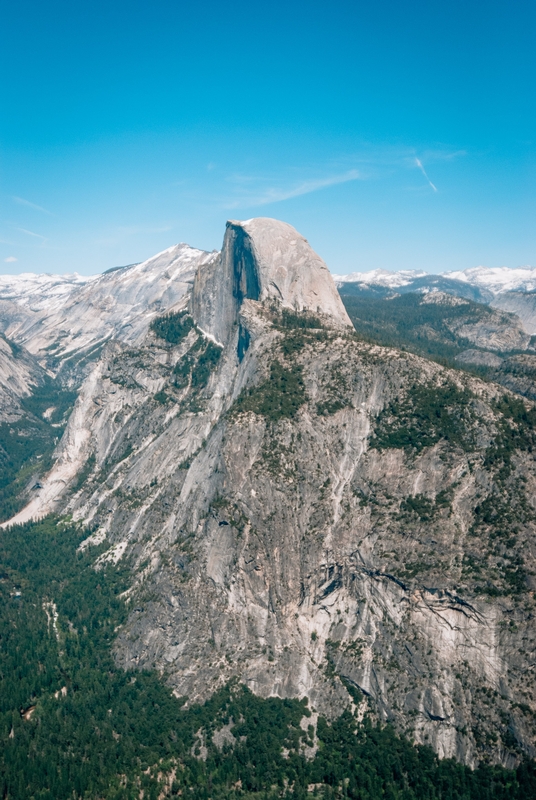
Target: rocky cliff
x=63, y=319
x=523, y=304
x=309, y=512
x=20, y=374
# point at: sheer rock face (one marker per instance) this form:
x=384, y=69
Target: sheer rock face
x=19, y=375
x=280, y=542
x=519, y=303
x=263, y=260
x=289, y=271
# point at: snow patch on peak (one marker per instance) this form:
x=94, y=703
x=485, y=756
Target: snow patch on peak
x=381, y=277
x=498, y=279
x=36, y=290
x=57, y=316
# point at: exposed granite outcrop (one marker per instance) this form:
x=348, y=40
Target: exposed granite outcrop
x=64, y=321
x=263, y=260
x=523, y=304
x=292, y=545
x=19, y=376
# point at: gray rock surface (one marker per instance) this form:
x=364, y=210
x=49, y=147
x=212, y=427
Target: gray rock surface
x=284, y=543
x=523, y=304
x=58, y=319
x=263, y=260
x=20, y=374
x=480, y=358
x=499, y=332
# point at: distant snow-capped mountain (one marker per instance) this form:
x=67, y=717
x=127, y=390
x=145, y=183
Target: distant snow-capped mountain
x=508, y=289
x=498, y=279
x=38, y=290
x=381, y=277
x=492, y=279
x=57, y=316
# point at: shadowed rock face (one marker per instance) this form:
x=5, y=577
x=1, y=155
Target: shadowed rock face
x=263, y=260
x=19, y=376
x=279, y=526
x=522, y=304
x=290, y=271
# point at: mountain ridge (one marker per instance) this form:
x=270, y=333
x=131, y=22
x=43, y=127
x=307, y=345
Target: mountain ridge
x=307, y=511
x=495, y=279
x=58, y=320
x=34, y=289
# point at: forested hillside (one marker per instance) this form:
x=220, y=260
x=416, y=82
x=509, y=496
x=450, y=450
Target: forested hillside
x=27, y=442
x=74, y=726
x=454, y=331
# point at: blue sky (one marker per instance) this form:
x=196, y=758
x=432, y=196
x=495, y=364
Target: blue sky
x=391, y=134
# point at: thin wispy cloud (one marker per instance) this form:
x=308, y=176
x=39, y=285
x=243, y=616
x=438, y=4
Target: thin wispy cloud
x=442, y=155
x=9, y=260
x=22, y=202
x=373, y=162
x=31, y=233
x=277, y=195
x=418, y=163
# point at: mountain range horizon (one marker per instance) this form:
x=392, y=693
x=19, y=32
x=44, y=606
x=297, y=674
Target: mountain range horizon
x=502, y=277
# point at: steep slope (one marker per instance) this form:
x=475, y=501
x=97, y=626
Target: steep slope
x=58, y=319
x=263, y=260
x=523, y=304
x=20, y=374
x=450, y=328
x=116, y=735
x=438, y=323
x=286, y=549
x=33, y=411
x=309, y=512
